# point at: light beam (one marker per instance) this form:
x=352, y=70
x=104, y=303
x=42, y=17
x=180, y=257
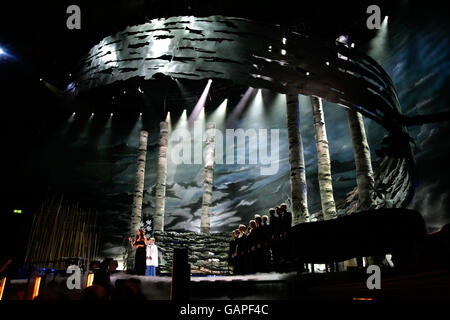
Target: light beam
x=239, y=107
x=219, y=115
x=200, y=104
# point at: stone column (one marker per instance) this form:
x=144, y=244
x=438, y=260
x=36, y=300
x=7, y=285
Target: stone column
x=205, y=224
x=158, y=218
x=136, y=212
x=364, y=172
x=323, y=158
x=296, y=160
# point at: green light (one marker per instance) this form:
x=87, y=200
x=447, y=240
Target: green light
x=17, y=211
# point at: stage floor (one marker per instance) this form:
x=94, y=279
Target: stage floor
x=339, y=286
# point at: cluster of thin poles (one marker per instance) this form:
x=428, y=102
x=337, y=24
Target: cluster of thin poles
x=59, y=231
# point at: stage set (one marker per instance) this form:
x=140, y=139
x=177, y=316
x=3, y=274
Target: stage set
x=262, y=161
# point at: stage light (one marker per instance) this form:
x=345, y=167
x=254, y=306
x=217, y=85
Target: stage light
x=140, y=90
x=182, y=88
x=90, y=280
x=378, y=45
x=182, y=122
x=37, y=284
x=362, y=299
x=2, y=287
x=352, y=45
x=200, y=104
x=283, y=52
x=327, y=63
x=1, y=51
x=307, y=73
x=219, y=115
x=239, y=107
x=73, y=113
x=40, y=79
x=344, y=39
x=201, y=115
x=111, y=114
x=254, y=115
x=17, y=211
x=137, y=127
x=169, y=121
x=92, y=114
x=284, y=40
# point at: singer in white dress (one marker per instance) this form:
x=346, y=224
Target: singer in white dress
x=152, y=258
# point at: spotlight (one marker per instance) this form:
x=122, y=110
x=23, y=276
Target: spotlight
x=219, y=115
x=140, y=90
x=140, y=114
x=90, y=280
x=37, y=284
x=200, y=104
x=40, y=79
x=92, y=114
x=378, y=44
x=2, y=51
x=283, y=52
x=307, y=73
x=284, y=40
x=327, y=63
x=111, y=114
x=2, y=287
x=239, y=108
x=352, y=45
x=73, y=113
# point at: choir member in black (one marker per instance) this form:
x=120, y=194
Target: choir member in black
x=266, y=232
x=232, y=250
x=274, y=241
x=287, y=219
x=280, y=234
x=286, y=222
x=252, y=245
x=241, y=251
x=260, y=254
x=140, y=243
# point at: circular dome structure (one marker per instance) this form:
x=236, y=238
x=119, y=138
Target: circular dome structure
x=263, y=56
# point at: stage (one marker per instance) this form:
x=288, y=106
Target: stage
x=340, y=286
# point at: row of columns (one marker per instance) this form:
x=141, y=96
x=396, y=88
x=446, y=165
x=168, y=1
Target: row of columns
x=300, y=212
x=363, y=164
